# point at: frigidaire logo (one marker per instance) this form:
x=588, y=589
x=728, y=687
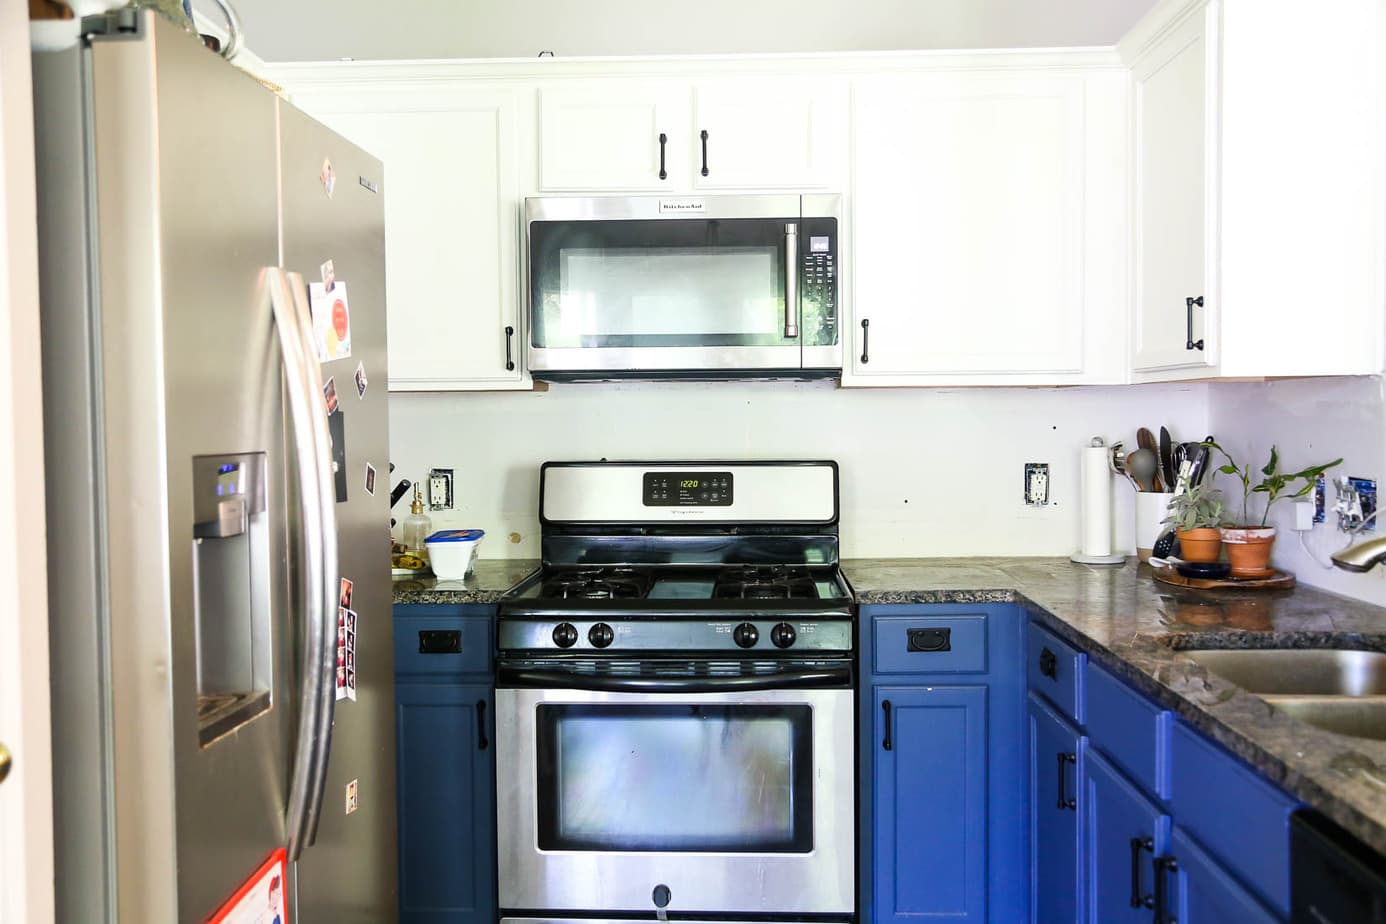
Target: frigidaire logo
x=667, y=206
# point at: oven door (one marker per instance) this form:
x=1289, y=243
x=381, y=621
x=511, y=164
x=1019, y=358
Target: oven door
x=623, y=286
x=732, y=802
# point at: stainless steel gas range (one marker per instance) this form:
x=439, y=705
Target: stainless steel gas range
x=674, y=705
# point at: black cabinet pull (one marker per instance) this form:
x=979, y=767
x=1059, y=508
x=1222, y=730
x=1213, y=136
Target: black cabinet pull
x=865, y=341
x=1189, y=342
x=1163, y=867
x=509, y=335
x=663, y=140
x=1064, y=801
x=703, y=135
x=1139, y=844
x=1049, y=664
x=885, y=742
x=481, y=742
x=930, y=639
x=440, y=641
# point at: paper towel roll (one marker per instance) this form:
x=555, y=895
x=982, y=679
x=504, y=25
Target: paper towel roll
x=1097, y=501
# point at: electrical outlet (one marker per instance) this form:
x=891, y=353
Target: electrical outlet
x=1036, y=484
x=1356, y=503
x=440, y=489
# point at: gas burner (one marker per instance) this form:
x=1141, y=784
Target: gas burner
x=598, y=584
x=765, y=582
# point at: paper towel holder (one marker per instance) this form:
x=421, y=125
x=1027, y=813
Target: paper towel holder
x=1079, y=558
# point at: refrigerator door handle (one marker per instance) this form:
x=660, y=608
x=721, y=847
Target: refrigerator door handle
x=318, y=590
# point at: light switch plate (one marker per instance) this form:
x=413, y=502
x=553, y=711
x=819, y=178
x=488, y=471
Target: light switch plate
x=351, y=801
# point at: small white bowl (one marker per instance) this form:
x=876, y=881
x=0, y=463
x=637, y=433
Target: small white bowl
x=451, y=552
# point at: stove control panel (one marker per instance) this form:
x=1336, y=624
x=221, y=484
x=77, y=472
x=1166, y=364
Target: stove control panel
x=688, y=489
x=666, y=635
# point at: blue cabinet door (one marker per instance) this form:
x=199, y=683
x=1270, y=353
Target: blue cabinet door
x=1055, y=752
x=446, y=778
x=1123, y=833
x=1203, y=892
x=930, y=811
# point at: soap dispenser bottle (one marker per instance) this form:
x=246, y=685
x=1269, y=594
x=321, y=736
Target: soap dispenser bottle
x=417, y=526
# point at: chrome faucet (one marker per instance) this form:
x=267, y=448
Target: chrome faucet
x=1363, y=556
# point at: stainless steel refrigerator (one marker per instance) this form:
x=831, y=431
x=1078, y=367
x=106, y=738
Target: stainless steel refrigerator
x=209, y=485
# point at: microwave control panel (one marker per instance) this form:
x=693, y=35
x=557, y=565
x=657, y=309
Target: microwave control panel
x=688, y=489
x=818, y=281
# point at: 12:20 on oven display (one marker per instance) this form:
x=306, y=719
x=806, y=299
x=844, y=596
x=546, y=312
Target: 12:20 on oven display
x=687, y=489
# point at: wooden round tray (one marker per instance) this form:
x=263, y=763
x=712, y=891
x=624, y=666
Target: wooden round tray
x=1278, y=581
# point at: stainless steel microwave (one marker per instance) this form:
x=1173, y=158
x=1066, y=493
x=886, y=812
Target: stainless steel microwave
x=684, y=287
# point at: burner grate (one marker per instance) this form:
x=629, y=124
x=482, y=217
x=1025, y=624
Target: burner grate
x=598, y=584
x=765, y=582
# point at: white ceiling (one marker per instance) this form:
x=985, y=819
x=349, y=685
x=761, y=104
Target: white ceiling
x=306, y=30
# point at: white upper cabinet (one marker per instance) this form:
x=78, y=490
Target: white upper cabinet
x=768, y=133
x=1175, y=162
x=451, y=228
x=612, y=135
x=970, y=211
x=622, y=134
x=1258, y=189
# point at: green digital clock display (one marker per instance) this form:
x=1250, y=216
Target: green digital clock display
x=689, y=483
x=687, y=489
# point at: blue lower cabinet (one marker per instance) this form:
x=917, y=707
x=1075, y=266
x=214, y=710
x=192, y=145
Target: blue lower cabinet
x=1203, y=892
x=1123, y=835
x=930, y=809
x=1055, y=750
x=446, y=803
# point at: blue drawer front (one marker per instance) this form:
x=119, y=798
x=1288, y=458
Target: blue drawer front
x=442, y=643
x=933, y=644
x=1242, y=820
x=1129, y=729
x=1054, y=670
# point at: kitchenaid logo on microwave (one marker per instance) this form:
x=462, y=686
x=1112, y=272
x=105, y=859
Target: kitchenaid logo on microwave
x=681, y=206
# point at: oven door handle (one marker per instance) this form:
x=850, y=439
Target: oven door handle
x=565, y=681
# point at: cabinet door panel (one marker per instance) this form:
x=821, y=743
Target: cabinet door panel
x=968, y=223
x=1172, y=202
x=1206, y=893
x=1054, y=888
x=604, y=136
x=1114, y=812
x=931, y=804
x=451, y=234
x=766, y=134
x=447, y=840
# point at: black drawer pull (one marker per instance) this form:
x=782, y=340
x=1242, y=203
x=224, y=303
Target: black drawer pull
x=1064, y=801
x=1049, y=664
x=703, y=135
x=1163, y=867
x=865, y=341
x=440, y=641
x=509, y=335
x=930, y=639
x=885, y=742
x=1189, y=342
x=481, y=742
x=663, y=140
x=1139, y=844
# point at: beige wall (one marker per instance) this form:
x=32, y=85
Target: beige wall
x=26, y=827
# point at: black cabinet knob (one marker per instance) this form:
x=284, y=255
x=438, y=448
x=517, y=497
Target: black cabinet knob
x=565, y=635
x=601, y=635
x=783, y=635
x=745, y=635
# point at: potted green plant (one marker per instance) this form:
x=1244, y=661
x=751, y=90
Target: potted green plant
x=1195, y=512
x=1248, y=541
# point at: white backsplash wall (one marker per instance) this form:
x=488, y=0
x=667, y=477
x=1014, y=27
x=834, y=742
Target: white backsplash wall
x=924, y=472
x=1312, y=421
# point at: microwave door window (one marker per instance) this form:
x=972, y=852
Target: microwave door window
x=675, y=778
x=658, y=284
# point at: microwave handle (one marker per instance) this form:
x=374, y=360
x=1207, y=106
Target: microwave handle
x=791, y=281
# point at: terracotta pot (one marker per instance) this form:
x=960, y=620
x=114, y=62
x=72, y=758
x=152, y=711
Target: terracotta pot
x=1202, y=544
x=1249, y=549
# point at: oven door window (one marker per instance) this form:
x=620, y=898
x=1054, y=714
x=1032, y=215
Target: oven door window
x=650, y=283
x=696, y=777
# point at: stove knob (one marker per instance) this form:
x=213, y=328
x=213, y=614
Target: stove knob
x=565, y=635
x=601, y=635
x=783, y=635
x=745, y=635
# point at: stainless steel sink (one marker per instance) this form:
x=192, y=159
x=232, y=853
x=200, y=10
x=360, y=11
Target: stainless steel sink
x=1363, y=717
x=1280, y=672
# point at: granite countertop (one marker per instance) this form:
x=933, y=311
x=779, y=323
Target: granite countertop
x=1136, y=628
x=489, y=579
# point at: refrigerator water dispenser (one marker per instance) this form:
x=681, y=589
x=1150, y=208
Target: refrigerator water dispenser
x=231, y=592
